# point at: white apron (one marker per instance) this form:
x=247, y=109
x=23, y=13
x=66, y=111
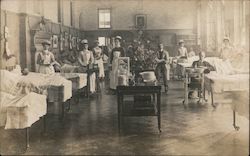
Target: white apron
x=46, y=68
x=98, y=52
x=85, y=57
x=101, y=67
x=114, y=72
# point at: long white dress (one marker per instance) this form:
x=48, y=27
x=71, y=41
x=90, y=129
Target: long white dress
x=97, y=52
x=85, y=58
x=114, y=72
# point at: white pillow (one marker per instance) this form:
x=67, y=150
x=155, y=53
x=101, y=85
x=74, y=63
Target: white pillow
x=8, y=81
x=224, y=67
x=17, y=70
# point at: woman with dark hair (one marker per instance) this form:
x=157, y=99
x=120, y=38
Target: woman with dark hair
x=45, y=59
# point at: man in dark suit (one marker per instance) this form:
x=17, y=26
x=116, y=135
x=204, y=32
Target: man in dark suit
x=163, y=66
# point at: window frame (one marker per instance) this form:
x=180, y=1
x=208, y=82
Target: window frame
x=98, y=10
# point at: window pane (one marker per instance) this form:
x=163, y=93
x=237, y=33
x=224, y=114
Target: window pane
x=104, y=18
x=101, y=41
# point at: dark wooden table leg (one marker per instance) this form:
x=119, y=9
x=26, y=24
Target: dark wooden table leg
x=118, y=107
x=27, y=138
x=159, y=110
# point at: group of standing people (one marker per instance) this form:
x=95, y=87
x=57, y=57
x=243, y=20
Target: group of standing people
x=85, y=57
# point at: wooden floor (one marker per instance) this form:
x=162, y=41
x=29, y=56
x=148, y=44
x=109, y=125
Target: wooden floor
x=90, y=128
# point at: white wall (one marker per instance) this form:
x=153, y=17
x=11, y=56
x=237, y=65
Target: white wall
x=161, y=14
x=66, y=12
x=46, y=8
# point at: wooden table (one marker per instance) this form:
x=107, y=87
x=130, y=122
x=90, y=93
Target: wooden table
x=138, y=90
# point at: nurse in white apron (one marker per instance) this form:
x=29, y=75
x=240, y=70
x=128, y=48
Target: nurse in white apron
x=45, y=59
x=227, y=50
x=117, y=52
x=86, y=58
x=182, y=50
x=97, y=52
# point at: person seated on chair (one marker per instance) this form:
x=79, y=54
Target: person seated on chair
x=200, y=63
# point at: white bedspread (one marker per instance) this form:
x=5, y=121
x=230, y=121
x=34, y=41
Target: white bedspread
x=79, y=80
x=67, y=68
x=38, y=81
x=21, y=111
x=240, y=103
x=221, y=83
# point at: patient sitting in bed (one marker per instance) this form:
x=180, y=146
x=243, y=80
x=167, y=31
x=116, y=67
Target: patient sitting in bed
x=197, y=80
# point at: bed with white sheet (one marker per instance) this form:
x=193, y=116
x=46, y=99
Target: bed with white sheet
x=56, y=87
x=228, y=80
x=90, y=81
x=19, y=109
x=79, y=80
x=22, y=110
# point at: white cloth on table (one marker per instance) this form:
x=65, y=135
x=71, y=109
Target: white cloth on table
x=21, y=111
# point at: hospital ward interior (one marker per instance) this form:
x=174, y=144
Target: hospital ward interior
x=124, y=77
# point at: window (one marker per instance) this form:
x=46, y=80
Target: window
x=101, y=41
x=104, y=18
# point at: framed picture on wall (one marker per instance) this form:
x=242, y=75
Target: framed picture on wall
x=140, y=21
x=70, y=42
x=74, y=42
x=66, y=40
x=61, y=41
x=78, y=42
x=55, y=41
